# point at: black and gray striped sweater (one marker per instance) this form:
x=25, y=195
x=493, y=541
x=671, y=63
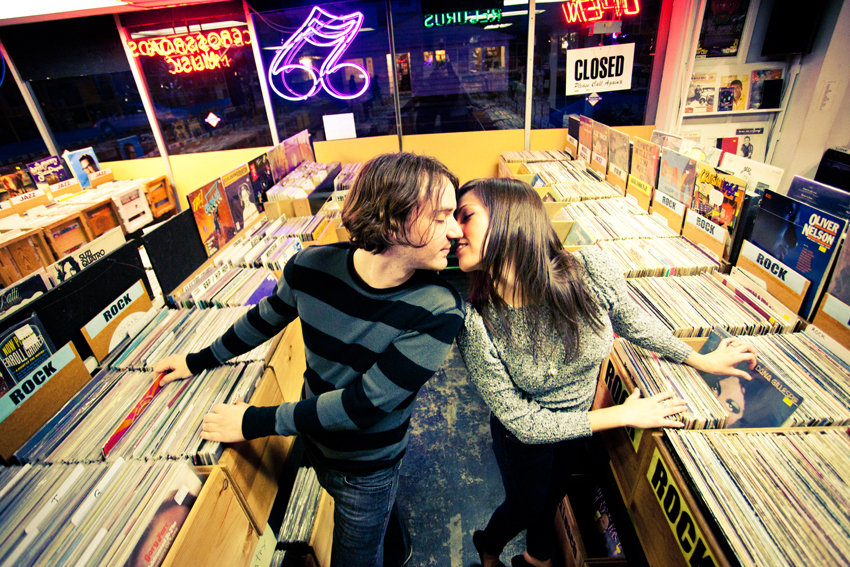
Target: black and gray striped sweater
x=368, y=352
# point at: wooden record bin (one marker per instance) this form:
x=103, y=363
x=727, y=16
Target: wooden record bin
x=22, y=255
x=67, y=234
x=160, y=196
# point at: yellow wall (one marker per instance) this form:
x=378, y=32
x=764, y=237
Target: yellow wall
x=352, y=151
x=469, y=154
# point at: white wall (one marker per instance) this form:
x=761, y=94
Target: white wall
x=817, y=115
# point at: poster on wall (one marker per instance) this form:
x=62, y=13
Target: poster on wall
x=722, y=26
x=600, y=69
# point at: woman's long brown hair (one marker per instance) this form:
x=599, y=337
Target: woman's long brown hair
x=520, y=236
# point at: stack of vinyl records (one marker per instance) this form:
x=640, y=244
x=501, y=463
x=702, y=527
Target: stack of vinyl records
x=804, y=371
x=344, y=179
x=301, y=181
x=821, y=376
x=570, y=181
x=534, y=155
x=172, y=331
x=691, y=306
x=169, y=427
x=778, y=498
x=121, y=513
x=654, y=374
x=297, y=525
x=618, y=206
x=237, y=287
x=644, y=257
x=619, y=227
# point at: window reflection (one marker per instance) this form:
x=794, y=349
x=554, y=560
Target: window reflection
x=20, y=141
x=87, y=93
x=202, y=80
x=346, y=72
x=554, y=36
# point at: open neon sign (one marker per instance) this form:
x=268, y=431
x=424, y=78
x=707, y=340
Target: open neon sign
x=320, y=29
x=191, y=52
x=594, y=10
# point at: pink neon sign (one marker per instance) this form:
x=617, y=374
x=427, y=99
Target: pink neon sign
x=321, y=29
x=595, y=10
x=191, y=52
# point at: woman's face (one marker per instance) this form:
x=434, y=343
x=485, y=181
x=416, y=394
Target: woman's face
x=731, y=397
x=473, y=219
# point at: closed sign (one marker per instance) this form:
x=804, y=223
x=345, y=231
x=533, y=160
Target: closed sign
x=599, y=69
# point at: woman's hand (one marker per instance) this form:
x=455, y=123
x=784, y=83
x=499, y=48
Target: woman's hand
x=224, y=422
x=724, y=358
x=646, y=413
x=175, y=366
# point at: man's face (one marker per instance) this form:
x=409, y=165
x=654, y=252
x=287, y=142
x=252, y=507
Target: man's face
x=738, y=90
x=433, y=226
x=88, y=166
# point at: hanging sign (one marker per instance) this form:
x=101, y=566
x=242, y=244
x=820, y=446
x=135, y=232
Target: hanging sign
x=600, y=69
x=190, y=52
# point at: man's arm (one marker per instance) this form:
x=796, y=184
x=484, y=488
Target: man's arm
x=396, y=377
x=262, y=322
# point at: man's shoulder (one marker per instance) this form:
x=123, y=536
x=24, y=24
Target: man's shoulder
x=433, y=292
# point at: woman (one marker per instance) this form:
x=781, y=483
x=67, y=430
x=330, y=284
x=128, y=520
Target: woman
x=539, y=322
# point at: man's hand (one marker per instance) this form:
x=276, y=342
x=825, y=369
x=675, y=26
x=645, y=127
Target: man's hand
x=175, y=367
x=224, y=422
x=723, y=359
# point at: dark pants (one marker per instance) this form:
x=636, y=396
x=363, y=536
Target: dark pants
x=535, y=478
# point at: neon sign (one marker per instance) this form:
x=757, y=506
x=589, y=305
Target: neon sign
x=191, y=52
x=595, y=10
x=320, y=29
x=457, y=18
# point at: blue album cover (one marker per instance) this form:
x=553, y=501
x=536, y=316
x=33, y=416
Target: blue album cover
x=265, y=289
x=762, y=401
x=820, y=195
x=82, y=163
x=23, y=348
x=677, y=175
x=800, y=236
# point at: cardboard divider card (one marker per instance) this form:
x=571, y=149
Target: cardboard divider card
x=702, y=231
x=36, y=398
x=672, y=210
x=101, y=177
x=781, y=281
x=641, y=191
x=114, y=319
x=833, y=317
x=69, y=186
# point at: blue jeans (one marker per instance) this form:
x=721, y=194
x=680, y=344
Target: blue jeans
x=535, y=481
x=362, y=506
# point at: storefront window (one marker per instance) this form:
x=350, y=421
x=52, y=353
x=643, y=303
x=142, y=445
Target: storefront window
x=574, y=25
x=460, y=70
x=200, y=71
x=323, y=60
x=20, y=140
x=84, y=85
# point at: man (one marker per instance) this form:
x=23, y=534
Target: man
x=88, y=164
x=377, y=322
x=747, y=148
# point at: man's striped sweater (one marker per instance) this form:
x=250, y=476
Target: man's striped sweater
x=368, y=352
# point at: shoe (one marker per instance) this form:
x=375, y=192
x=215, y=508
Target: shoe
x=519, y=561
x=477, y=537
x=409, y=555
